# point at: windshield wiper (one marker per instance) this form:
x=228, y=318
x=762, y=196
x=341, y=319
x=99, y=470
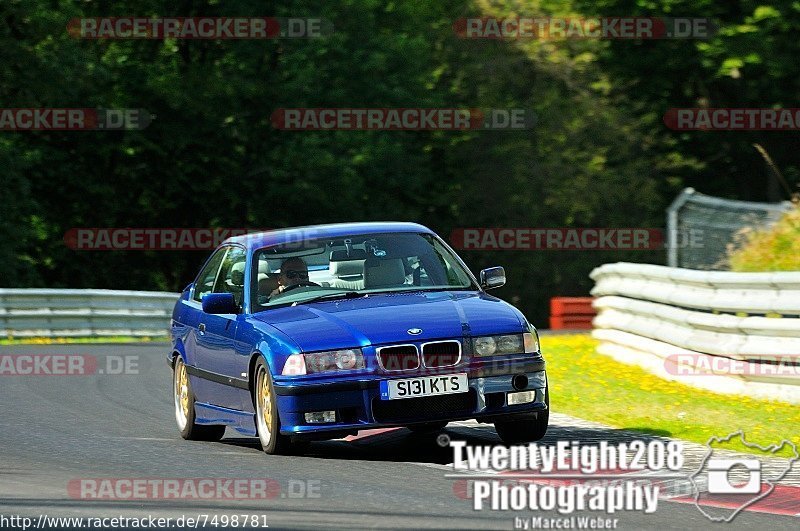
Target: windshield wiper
x=332, y=296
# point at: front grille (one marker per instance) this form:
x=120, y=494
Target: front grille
x=398, y=358
x=424, y=408
x=441, y=353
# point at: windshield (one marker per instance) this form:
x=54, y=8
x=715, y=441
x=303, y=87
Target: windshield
x=354, y=266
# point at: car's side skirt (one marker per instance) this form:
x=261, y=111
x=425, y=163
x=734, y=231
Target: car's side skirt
x=238, y=420
x=218, y=378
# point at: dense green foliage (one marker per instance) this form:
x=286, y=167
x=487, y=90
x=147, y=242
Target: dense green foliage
x=776, y=248
x=599, y=156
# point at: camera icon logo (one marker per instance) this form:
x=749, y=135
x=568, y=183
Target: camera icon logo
x=721, y=482
x=738, y=479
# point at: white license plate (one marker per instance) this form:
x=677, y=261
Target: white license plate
x=446, y=384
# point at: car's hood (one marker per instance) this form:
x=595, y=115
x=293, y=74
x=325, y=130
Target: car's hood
x=386, y=318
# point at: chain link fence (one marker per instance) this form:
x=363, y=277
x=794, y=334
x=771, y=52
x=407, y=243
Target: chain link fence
x=718, y=221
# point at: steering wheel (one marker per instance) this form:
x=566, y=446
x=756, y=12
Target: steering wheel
x=301, y=284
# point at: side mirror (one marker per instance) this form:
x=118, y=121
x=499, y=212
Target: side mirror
x=219, y=303
x=493, y=277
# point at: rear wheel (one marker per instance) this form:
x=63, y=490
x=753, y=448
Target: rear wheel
x=184, y=408
x=525, y=429
x=267, y=419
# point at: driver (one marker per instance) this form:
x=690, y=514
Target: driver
x=293, y=272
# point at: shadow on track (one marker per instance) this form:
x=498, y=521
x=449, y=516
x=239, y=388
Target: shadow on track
x=402, y=445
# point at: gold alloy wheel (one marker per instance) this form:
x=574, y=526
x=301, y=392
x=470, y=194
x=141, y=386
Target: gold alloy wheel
x=183, y=389
x=265, y=399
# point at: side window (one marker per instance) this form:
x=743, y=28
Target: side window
x=231, y=275
x=267, y=279
x=206, y=278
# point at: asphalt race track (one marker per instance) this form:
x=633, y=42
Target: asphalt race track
x=55, y=430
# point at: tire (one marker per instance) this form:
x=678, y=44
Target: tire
x=184, y=408
x=428, y=427
x=268, y=422
x=525, y=429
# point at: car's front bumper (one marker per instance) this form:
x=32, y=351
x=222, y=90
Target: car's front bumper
x=358, y=404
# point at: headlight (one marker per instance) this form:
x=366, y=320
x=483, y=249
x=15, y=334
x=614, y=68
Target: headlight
x=509, y=344
x=485, y=346
x=499, y=345
x=315, y=362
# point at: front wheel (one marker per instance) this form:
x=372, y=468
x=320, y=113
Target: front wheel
x=184, y=408
x=525, y=429
x=267, y=420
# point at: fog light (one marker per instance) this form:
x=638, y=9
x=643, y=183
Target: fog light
x=519, y=382
x=318, y=417
x=525, y=397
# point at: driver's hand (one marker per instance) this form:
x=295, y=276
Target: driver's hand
x=276, y=291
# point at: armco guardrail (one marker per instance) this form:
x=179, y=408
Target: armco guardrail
x=731, y=332
x=84, y=313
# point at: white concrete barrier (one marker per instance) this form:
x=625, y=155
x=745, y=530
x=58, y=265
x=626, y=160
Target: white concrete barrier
x=723, y=331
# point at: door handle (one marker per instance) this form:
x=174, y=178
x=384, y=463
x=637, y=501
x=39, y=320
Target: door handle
x=202, y=328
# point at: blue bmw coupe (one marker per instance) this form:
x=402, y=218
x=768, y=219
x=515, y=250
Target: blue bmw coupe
x=318, y=332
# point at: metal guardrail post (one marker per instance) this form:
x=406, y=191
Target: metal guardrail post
x=672, y=225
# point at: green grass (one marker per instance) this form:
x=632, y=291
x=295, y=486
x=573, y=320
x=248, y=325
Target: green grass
x=595, y=387
x=78, y=340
